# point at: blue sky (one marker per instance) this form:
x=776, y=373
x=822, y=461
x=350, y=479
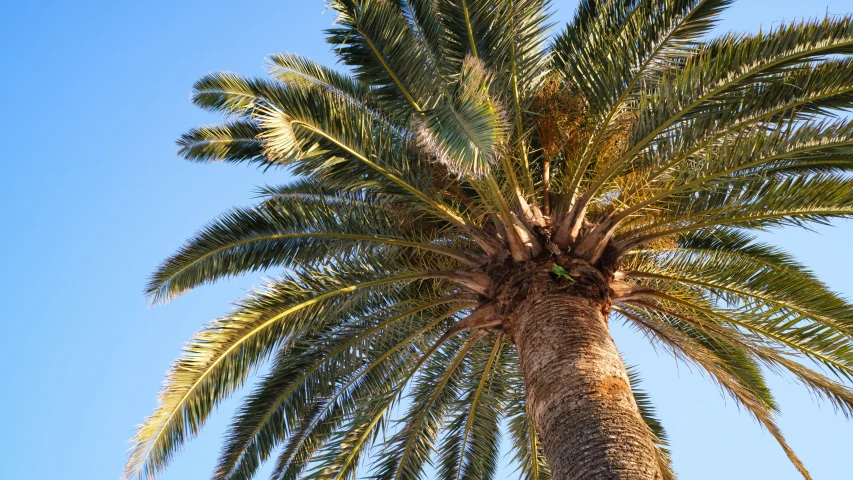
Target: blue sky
x=93, y=198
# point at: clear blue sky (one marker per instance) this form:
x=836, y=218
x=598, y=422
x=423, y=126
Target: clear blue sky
x=93, y=198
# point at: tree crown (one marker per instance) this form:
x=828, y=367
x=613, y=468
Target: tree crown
x=467, y=141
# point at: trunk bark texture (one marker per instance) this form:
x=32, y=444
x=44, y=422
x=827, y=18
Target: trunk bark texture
x=577, y=387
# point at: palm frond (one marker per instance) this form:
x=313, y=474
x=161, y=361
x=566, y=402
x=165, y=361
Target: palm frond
x=732, y=62
x=748, y=270
x=295, y=69
x=287, y=232
x=470, y=449
x=407, y=451
x=464, y=132
x=647, y=410
x=341, y=462
x=375, y=39
x=221, y=357
x=234, y=142
x=350, y=360
x=659, y=329
x=422, y=19
x=526, y=447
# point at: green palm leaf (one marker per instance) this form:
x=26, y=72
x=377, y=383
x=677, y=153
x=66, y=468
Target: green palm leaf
x=282, y=230
x=647, y=410
x=471, y=448
x=464, y=132
x=526, y=446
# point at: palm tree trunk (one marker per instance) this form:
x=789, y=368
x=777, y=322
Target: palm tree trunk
x=577, y=389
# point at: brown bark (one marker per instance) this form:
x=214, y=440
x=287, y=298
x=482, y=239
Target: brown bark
x=576, y=384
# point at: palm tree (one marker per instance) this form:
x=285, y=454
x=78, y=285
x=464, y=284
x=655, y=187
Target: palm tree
x=475, y=203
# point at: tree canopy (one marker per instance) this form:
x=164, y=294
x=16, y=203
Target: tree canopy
x=461, y=135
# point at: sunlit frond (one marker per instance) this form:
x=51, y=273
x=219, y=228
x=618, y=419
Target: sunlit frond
x=222, y=356
x=647, y=410
x=289, y=232
x=471, y=447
